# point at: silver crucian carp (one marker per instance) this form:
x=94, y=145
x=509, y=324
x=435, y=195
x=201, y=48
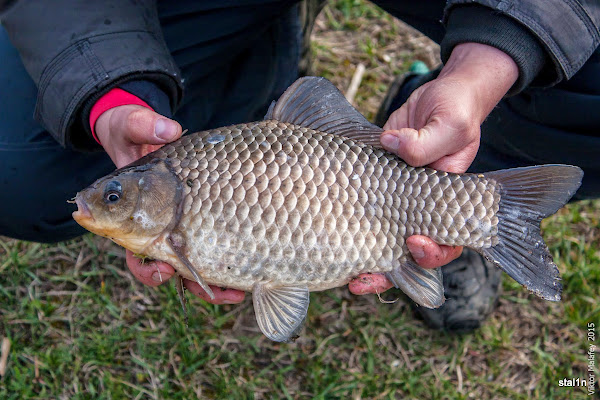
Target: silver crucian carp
x=306, y=200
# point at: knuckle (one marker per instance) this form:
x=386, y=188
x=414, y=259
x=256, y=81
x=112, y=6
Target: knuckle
x=464, y=122
x=135, y=120
x=398, y=119
x=415, y=154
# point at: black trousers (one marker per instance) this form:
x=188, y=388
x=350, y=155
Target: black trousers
x=37, y=176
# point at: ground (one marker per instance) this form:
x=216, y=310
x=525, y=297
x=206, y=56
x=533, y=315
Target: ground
x=77, y=325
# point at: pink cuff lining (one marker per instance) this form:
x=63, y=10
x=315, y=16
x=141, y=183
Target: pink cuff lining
x=114, y=98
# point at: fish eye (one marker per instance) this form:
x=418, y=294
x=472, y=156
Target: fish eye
x=113, y=192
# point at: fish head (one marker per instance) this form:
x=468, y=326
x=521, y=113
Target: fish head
x=132, y=206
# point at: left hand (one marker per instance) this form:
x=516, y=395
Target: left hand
x=439, y=126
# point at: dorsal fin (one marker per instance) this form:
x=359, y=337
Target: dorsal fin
x=316, y=103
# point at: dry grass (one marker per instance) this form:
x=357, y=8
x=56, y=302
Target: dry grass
x=81, y=327
x=386, y=47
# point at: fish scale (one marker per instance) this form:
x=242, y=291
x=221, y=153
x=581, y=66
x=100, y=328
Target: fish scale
x=307, y=200
x=281, y=203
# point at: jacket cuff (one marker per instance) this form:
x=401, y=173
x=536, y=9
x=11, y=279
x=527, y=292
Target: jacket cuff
x=147, y=91
x=483, y=25
x=115, y=98
x=142, y=93
x=81, y=77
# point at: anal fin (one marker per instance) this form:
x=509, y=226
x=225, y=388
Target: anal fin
x=280, y=311
x=424, y=286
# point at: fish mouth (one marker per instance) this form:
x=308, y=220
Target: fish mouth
x=82, y=215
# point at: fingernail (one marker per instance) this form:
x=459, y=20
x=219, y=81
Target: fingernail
x=389, y=141
x=160, y=277
x=417, y=251
x=165, y=129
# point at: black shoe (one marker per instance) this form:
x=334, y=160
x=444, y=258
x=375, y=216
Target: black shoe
x=471, y=287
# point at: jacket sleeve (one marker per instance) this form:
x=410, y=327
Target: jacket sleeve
x=76, y=51
x=478, y=24
x=567, y=30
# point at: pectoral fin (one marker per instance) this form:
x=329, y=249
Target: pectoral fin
x=280, y=311
x=177, y=243
x=181, y=294
x=423, y=285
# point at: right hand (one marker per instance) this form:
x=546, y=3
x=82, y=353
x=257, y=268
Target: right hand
x=439, y=125
x=127, y=133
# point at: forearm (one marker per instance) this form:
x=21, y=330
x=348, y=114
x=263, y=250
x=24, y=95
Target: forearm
x=566, y=33
x=75, y=52
x=478, y=24
x=488, y=72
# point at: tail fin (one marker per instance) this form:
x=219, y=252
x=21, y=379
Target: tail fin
x=527, y=195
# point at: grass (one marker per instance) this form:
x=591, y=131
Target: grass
x=81, y=327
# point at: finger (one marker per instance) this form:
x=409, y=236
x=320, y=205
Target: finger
x=424, y=146
x=369, y=283
x=140, y=125
x=222, y=295
x=152, y=273
x=399, y=119
x=457, y=163
x=429, y=254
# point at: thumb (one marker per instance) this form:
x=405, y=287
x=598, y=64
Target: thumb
x=140, y=125
x=423, y=146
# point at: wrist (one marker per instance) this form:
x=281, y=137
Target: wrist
x=101, y=128
x=483, y=70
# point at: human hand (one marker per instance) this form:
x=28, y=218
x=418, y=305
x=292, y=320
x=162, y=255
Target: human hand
x=439, y=126
x=127, y=133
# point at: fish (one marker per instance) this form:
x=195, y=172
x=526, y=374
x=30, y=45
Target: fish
x=307, y=199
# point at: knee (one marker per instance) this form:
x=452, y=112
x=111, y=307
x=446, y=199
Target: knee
x=35, y=186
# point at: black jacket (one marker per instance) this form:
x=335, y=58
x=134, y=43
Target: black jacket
x=76, y=51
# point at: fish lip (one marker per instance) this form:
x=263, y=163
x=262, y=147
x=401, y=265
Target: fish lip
x=83, y=211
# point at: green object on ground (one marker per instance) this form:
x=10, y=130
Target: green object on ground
x=419, y=67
